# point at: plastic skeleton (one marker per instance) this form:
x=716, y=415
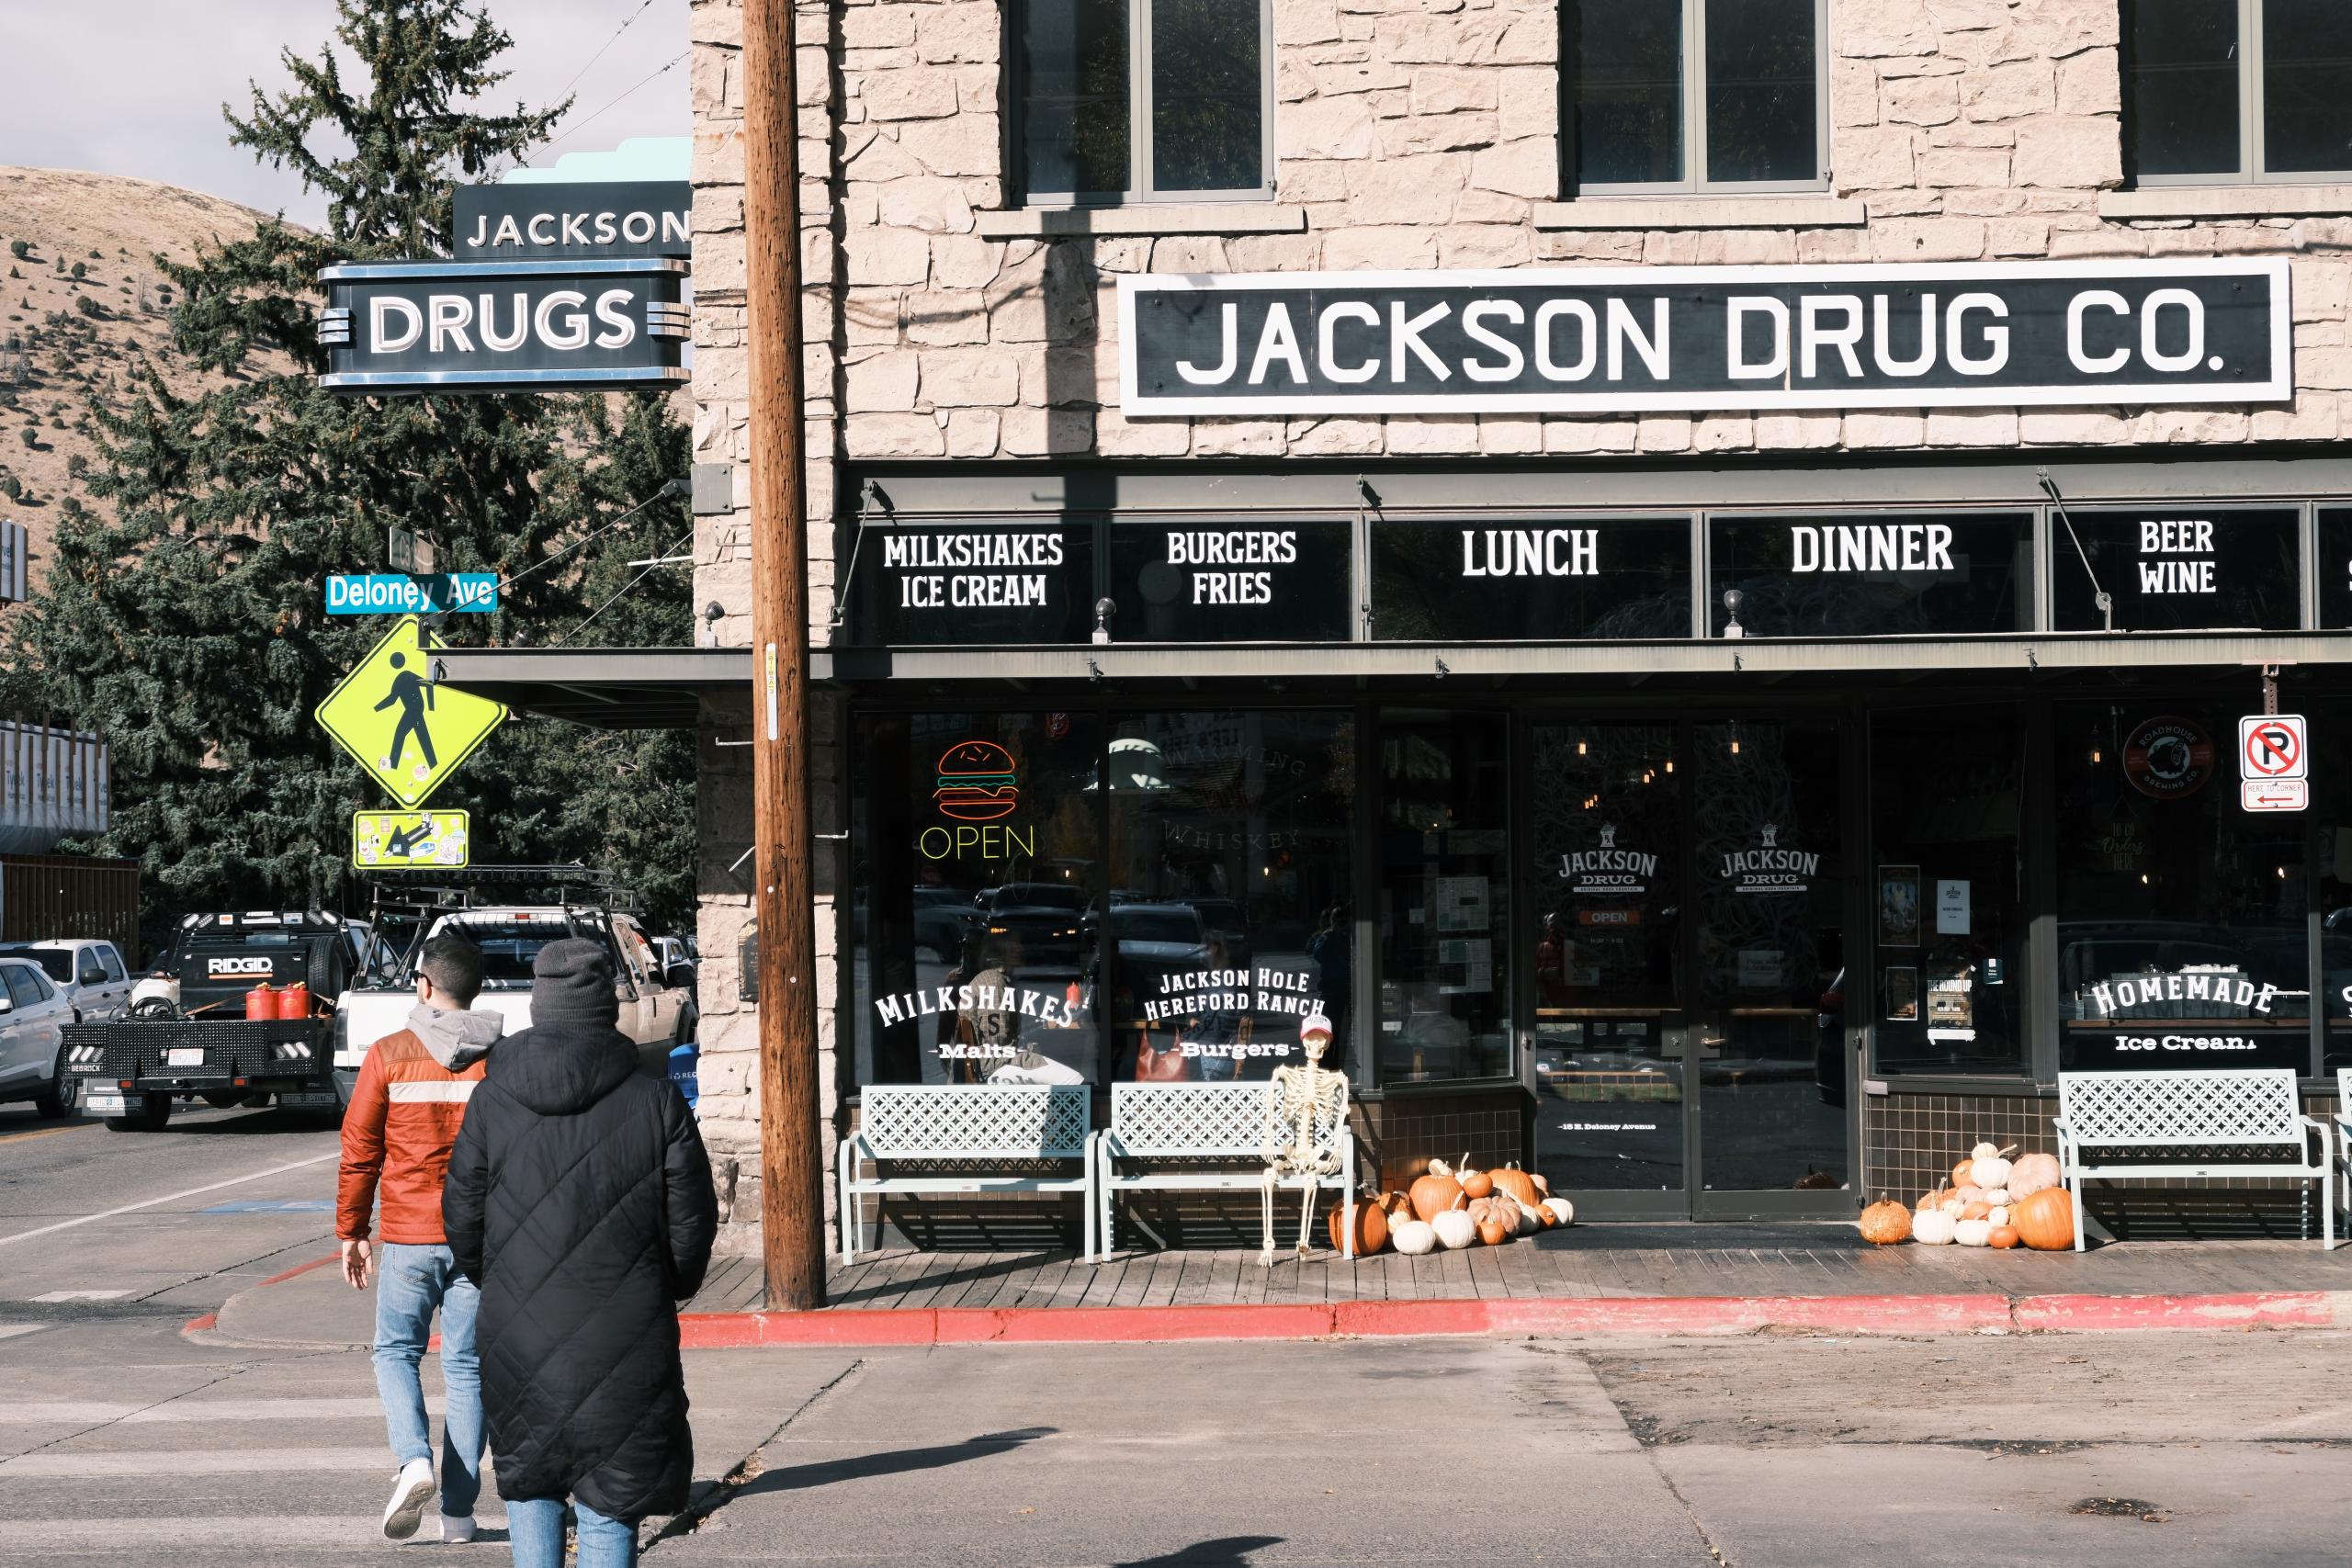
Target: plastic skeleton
x=1304, y=1099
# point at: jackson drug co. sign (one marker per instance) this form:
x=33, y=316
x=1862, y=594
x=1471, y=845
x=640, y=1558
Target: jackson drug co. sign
x=1606, y=340
x=503, y=326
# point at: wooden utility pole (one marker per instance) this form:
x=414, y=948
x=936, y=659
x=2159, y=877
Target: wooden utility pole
x=792, y=1217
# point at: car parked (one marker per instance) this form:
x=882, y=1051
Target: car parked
x=945, y=919
x=88, y=972
x=33, y=1016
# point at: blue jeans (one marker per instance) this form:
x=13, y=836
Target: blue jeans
x=411, y=1282
x=535, y=1530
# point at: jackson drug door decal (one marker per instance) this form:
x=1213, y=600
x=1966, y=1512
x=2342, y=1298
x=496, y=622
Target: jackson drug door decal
x=1601, y=340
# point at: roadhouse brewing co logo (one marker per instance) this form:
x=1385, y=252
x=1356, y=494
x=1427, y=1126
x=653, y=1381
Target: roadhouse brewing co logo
x=1769, y=868
x=2168, y=757
x=977, y=785
x=1607, y=870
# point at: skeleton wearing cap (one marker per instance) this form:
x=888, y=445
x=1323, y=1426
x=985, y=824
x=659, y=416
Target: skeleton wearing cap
x=1306, y=1115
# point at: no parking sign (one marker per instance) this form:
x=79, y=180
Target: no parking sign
x=2273, y=762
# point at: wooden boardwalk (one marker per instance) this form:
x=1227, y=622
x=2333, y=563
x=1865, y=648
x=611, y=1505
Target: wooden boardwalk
x=1584, y=1262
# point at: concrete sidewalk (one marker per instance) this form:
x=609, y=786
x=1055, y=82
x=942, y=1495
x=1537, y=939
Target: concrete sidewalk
x=1596, y=1279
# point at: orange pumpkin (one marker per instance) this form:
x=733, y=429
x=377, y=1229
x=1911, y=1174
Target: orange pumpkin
x=1960, y=1172
x=1476, y=1184
x=2045, y=1220
x=1371, y=1227
x=1976, y=1208
x=1519, y=1184
x=1883, y=1224
x=1434, y=1194
x=1494, y=1233
x=2003, y=1236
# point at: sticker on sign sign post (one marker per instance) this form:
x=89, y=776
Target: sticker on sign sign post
x=2273, y=746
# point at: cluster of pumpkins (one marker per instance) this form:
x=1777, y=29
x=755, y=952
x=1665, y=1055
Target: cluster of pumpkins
x=1453, y=1206
x=1996, y=1198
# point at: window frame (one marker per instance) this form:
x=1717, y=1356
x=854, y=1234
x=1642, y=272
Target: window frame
x=2253, y=124
x=1694, y=181
x=1141, y=191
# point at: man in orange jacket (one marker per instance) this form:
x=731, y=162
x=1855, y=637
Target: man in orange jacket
x=397, y=1134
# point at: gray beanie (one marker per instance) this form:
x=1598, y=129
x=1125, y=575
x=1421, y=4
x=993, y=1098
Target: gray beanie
x=572, y=982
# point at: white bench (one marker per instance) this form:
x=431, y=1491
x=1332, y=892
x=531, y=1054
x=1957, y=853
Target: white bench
x=2344, y=1130
x=2139, y=1116
x=961, y=1125
x=1198, y=1122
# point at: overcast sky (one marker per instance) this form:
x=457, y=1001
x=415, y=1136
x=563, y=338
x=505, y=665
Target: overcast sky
x=135, y=86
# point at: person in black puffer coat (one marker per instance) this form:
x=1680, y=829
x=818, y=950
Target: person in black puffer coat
x=579, y=1199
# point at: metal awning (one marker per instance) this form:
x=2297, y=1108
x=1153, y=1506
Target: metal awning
x=654, y=688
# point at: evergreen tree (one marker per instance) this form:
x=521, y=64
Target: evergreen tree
x=185, y=621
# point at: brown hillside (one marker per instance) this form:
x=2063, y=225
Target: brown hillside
x=63, y=338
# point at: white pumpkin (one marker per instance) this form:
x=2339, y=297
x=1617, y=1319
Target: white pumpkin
x=1562, y=1210
x=1414, y=1237
x=1934, y=1227
x=1984, y=1151
x=1999, y=1197
x=1990, y=1171
x=1972, y=1233
x=1455, y=1228
x=1528, y=1224
x=1999, y=1217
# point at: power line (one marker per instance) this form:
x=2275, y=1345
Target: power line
x=581, y=125
x=558, y=640
x=674, y=488
x=625, y=23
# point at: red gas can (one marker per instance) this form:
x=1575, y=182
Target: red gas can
x=261, y=1003
x=294, y=1001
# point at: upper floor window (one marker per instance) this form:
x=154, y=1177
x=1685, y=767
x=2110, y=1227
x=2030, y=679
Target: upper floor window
x=2238, y=89
x=1142, y=100
x=1695, y=95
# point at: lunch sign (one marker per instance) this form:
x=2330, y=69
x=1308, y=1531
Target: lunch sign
x=1628, y=340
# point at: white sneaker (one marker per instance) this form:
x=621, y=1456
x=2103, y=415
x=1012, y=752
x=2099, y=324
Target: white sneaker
x=457, y=1528
x=411, y=1489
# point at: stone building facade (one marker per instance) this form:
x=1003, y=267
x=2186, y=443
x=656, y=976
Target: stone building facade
x=946, y=324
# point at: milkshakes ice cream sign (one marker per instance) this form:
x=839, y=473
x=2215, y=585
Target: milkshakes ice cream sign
x=1594, y=339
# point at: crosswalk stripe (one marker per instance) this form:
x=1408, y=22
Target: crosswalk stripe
x=10, y=1330
x=83, y=1465
x=117, y=1533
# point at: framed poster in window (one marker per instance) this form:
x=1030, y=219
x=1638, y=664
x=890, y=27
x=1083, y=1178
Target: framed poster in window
x=1902, y=994
x=1898, y=906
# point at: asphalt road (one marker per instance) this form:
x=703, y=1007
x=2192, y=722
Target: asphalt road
x=124, y=1439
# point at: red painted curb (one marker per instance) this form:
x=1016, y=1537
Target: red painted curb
x=200, y=1324
x=1676, y=1317
x=2273, y=1309
x=299, y=1268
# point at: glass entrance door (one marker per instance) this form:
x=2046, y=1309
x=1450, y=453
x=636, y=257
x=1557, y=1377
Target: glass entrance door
x=1689, y=905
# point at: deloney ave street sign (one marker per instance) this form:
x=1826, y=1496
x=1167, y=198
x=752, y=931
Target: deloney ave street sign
x=409, y=734
x=574, y=219
x=503, y=326
x=1613, y=340
x=383, y=594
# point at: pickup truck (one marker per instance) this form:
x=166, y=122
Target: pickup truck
x=657, y=1007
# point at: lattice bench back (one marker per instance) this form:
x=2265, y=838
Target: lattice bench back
x=1167, y=1121
x=976, y=1120
x=2122, y=1109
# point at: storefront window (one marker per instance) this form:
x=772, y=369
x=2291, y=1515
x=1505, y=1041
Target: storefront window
x=1444, y=982
x=2178, y=569
x=973, y=581
x=2331, y=829
x=1217, y=579
x=1955, y=574
x=977, y=871
x=1230, y=898
x=2334, y=566
x=1545, y=581
x=2183, y=927
x=1949, y=898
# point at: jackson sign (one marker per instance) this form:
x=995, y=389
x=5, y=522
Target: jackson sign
x=536, y=221
x=503, y=326
x=1608, y=340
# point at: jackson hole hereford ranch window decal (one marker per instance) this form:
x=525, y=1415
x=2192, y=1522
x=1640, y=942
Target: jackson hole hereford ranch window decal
x=1604, y=339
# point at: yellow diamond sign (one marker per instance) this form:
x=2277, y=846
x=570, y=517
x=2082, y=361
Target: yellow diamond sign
x=387, y=839
x=408, y=733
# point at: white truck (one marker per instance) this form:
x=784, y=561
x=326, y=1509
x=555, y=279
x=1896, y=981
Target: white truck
x=657, y=1007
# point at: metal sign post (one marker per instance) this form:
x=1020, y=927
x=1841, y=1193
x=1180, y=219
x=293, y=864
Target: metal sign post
x=2273, y=762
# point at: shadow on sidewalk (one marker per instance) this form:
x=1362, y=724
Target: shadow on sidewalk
x=1226, y=1552
x=801, y=1477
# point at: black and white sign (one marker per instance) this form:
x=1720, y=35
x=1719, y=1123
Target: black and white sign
x=1608, y=870
x=1232, y=580
x=2178, y=567
x=1552, y=580
x=503, y=326
x=1615, y=340
x=2202, y=1016
x=975, y=582
x=545, y=220
x=2274, y=746
x=1769, y=866
x=1951, y=574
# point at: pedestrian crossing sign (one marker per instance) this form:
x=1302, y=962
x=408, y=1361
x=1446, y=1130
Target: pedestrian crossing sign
x=385, y=839
x=406, y=731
